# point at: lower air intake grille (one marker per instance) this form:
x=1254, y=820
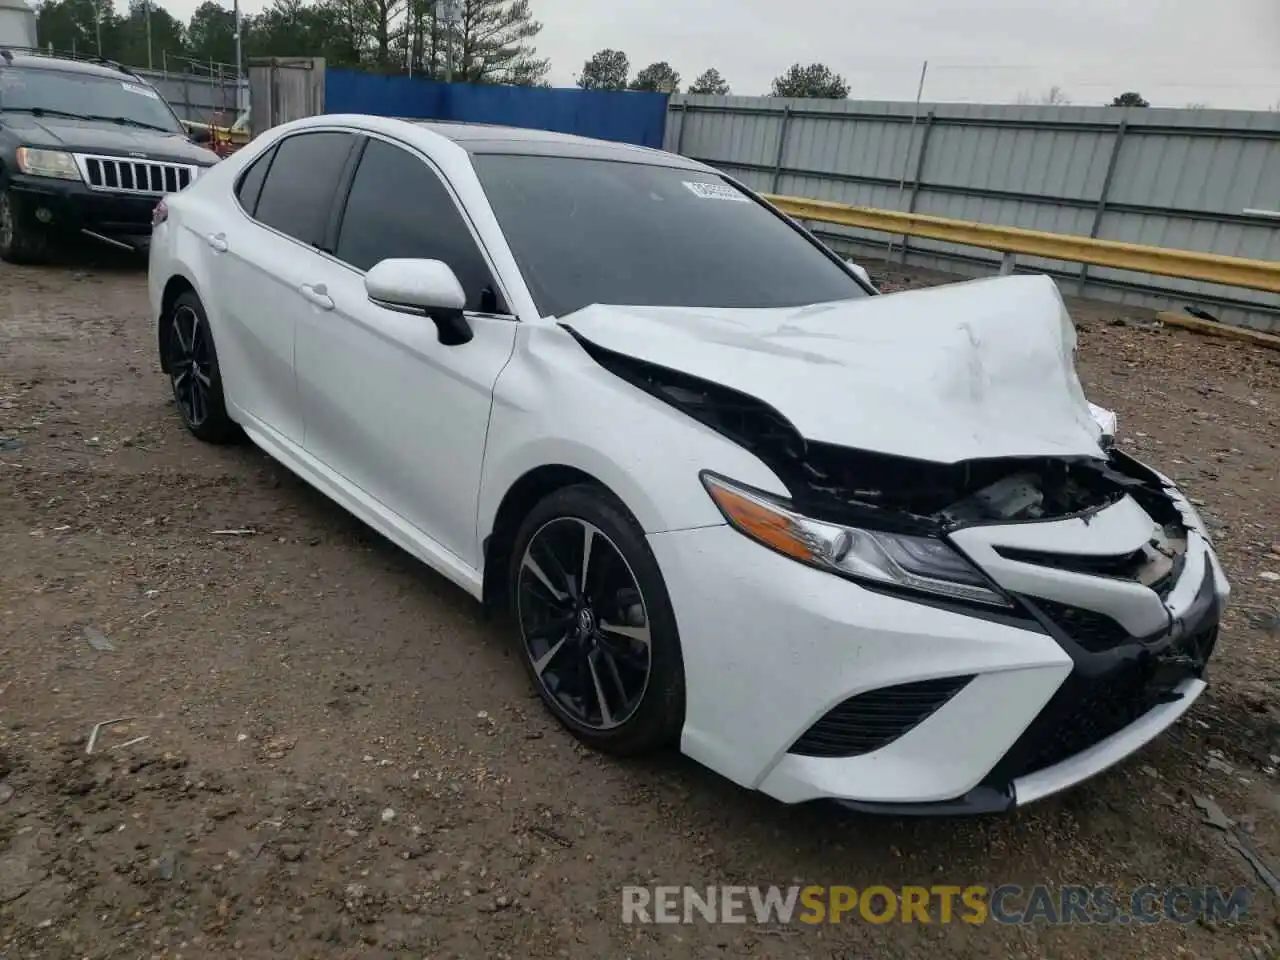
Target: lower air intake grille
x=1087, y=710
x=876, y=718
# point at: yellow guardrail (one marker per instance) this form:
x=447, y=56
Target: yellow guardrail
x=1165, y=262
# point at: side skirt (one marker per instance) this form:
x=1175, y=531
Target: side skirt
x=364, y=507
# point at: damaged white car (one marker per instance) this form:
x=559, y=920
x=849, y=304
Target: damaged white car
x=836, y=545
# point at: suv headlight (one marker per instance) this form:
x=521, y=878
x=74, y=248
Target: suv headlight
x=47, y=163
x=923, y=564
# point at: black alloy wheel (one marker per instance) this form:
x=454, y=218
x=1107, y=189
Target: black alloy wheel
x=596, y=628
x=191, y=360
x=190, y=365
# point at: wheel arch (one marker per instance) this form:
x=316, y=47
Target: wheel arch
x=174, y=287
x=521, y=497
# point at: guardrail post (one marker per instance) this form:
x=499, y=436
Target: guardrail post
x=915, y=179
x=684, y=119
x=782, y=146
x=1101, y=209
x=1007, y=263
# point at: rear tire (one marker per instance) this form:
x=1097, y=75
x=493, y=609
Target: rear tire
x=602, y=649
x=191, y=360
x=20, y=241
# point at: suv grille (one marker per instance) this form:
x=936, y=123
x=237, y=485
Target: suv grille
x=141, y=177
x=876, y=718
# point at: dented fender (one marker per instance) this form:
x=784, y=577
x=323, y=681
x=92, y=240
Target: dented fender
x=555, y=406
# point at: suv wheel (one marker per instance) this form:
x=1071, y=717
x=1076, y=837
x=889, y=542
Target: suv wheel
x=19, y=241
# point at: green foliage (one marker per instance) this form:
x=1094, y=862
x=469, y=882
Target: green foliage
x=660, y=77
x=817, y=81
x=494, y=43
x=1130, y=99
x=710, y=82
x=607, y=70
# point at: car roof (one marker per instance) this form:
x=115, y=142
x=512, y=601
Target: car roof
x=62, y=64
x=494, y=138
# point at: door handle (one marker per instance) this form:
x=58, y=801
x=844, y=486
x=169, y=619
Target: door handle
x=218, y=241
x=318, y=294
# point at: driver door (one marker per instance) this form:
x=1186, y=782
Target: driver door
x=384, y=403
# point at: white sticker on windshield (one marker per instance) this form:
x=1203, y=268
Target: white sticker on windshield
x=141, y=91
x=715, y=191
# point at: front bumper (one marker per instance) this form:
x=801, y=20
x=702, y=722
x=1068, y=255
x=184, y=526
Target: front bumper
x=70, y=207
x=775, y=651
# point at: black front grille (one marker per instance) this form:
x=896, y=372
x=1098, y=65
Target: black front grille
x=876, y=718
x=1124, y=566
x=1093, y=631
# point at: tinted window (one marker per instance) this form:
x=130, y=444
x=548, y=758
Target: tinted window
x=398, y=207
x=251, y=182
x=597, y=231
x=301, y=184
x=120, y=99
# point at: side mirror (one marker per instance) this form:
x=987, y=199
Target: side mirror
x=200, y=135
x=424, y=287
x=1107, y=424
x=860, y=272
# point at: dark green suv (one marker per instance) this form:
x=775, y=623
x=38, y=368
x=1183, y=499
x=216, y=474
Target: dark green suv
x=86, y=148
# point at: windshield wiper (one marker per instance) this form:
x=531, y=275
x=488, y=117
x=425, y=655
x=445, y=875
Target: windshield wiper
x=49, y=112
x=128, y=122
x=45, y=112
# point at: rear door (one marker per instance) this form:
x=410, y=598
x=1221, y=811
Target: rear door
x=266, y=264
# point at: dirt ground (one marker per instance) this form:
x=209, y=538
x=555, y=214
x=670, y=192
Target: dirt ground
x=328, y=753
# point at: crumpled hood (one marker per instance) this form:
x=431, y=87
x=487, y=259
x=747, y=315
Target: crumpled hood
x=970, y=370
x=111, y=139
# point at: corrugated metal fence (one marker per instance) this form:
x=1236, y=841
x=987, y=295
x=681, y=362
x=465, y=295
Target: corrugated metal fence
x=1172, y=178
x=628, y=117
x=204, y=99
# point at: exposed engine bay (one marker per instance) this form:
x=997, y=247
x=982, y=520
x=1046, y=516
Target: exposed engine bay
x=843, y=485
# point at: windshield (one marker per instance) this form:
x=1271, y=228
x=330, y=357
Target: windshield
x=601, y=231
x=85, y=95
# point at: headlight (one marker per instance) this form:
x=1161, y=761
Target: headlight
x=47, y=163
x=923, y=564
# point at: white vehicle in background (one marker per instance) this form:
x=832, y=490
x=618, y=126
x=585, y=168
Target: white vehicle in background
x=836, y=545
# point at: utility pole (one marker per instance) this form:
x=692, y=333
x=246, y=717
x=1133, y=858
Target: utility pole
x=452, y=10
x=148, y=12
x=235, y=8
x=911, y=139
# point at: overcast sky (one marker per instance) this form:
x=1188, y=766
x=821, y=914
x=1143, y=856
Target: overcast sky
x=1225, y=53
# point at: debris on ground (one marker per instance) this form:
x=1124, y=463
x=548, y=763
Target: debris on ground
x=98, y=640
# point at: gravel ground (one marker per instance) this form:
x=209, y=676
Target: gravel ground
x=328, y=753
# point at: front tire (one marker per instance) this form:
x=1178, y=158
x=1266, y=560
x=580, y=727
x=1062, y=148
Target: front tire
x=594, y=623
x=191, y=359
x=20, y=241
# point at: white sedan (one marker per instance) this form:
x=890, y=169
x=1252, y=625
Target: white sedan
x=834, y=544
